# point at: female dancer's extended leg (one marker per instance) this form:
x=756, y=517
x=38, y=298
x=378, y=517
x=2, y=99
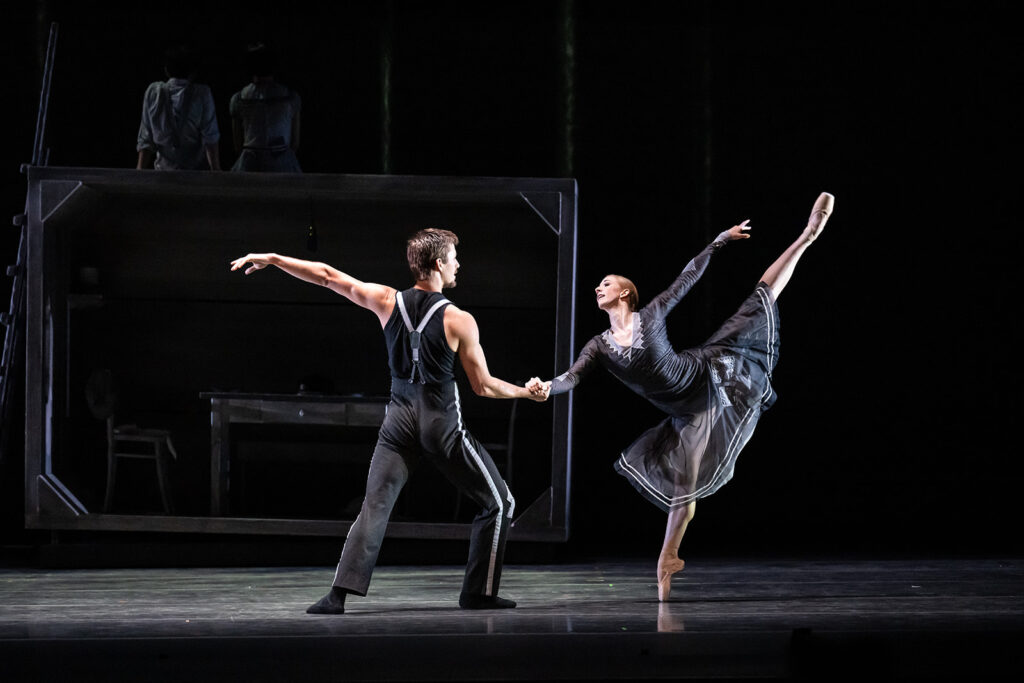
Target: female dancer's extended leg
x=669, y=562
x=778, y=273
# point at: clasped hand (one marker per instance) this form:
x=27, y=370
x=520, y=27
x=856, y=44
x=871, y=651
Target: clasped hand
x=539, y=391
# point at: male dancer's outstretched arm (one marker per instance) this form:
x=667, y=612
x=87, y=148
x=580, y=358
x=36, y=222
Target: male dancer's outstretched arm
x=377, y=298
x=460, y=327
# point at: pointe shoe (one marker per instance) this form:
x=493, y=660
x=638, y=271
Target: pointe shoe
x=819, y=216
x=665, y=572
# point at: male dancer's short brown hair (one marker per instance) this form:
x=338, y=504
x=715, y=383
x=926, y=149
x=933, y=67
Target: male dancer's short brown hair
x=425, y=247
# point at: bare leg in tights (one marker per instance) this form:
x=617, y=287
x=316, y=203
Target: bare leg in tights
x=669, y=562
x=778, y=273
x=775, y=277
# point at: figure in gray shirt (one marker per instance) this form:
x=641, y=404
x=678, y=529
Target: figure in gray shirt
x=265, y=118
x=179, y=122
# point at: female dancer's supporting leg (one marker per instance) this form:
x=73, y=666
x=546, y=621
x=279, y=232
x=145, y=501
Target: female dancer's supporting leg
x=669, y=562
x=775, y=277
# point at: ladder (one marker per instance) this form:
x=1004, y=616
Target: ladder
x=13, y=321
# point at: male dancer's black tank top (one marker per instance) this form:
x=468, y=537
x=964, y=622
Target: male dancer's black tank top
x=437, y=360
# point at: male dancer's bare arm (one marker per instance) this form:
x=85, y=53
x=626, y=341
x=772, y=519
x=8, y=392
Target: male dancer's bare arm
x=377, y=298
x=461, y=328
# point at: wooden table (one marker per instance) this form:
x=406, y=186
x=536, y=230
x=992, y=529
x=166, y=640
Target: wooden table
x=227, y=408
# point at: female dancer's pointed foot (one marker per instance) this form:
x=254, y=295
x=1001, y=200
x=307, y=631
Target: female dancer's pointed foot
x=666, y=568
x=819, y=216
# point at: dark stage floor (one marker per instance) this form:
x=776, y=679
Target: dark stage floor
x=727, y=620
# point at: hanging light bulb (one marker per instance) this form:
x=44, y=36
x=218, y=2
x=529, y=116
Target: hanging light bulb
x=311, y=230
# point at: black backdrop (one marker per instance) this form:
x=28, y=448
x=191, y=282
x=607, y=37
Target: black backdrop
x=895, y=430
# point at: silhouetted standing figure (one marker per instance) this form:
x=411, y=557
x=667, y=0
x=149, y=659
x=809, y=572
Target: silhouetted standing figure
x=179, y=129
x=265, y=118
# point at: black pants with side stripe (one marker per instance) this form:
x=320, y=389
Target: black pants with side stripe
x=425, y=421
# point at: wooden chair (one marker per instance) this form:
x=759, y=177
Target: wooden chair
x=128, y=440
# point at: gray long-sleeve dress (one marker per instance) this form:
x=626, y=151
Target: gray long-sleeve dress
x=713, y=394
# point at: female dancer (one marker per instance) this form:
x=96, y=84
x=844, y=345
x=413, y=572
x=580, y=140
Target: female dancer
x=713, y=394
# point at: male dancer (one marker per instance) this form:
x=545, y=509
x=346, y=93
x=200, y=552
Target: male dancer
x=423, y=332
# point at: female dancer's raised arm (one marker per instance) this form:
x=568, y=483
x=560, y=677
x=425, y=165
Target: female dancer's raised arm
x=667, y=300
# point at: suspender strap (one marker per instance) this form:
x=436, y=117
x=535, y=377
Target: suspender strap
x=414, y=333
x=177, y=122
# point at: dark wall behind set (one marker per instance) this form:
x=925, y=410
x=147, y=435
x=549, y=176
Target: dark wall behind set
x=898, y=385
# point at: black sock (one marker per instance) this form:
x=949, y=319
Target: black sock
x=332, y=603
x=470, y=601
